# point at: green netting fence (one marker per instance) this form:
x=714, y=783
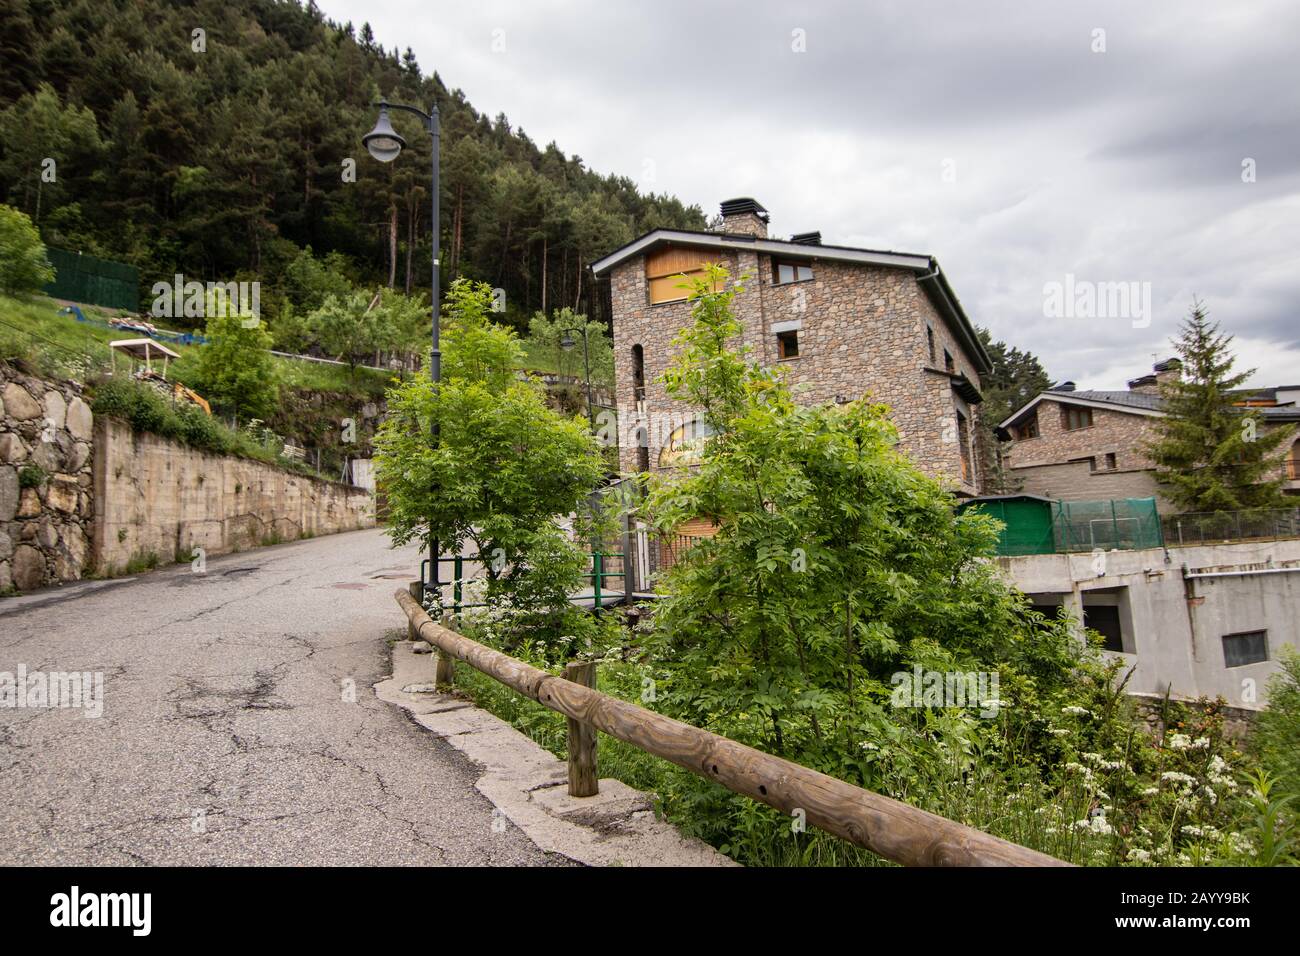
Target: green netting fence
x=95, y=281
x=1126, y=524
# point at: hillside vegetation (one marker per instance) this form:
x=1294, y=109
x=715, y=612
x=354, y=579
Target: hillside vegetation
x=223, y=156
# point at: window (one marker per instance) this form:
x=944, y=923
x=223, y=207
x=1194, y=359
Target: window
x=1027, y=429
x=929, y=342
x=1110, y=461
x=1107, y=611
x=1073, y=417
x=638, y=374
x=670, y=271
x=1104, y=619
x=1247, y=647
x=947, y=361
x=787, y=345
x=963, y=442
x=783, y=272
x=1092, y=462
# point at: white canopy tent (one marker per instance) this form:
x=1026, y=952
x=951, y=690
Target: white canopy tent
x=144, y=350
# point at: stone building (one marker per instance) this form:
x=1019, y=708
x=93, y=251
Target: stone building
x=1078, y=445
x=842, y=322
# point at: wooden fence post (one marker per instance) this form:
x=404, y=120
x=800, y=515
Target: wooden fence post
x=445, y=671
x=583, y=781
x=414, y=589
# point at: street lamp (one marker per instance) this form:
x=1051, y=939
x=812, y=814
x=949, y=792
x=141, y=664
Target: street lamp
x=567, y=343
x=385, y=144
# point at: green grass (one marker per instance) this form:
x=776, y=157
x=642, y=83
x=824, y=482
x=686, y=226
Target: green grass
x=33, y=329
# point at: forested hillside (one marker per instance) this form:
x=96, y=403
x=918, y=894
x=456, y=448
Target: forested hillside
x=224, y=162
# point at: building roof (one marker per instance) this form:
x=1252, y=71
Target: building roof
x=1146, y=403
x=928, y=274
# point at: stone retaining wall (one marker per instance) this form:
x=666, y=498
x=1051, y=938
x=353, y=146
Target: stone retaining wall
x=46, y=496
x=81, y=496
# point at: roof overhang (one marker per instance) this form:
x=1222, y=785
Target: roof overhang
x=1068, y=399
x=733, y=241
x=928, y=274
x=966, y=389
x=143, y=348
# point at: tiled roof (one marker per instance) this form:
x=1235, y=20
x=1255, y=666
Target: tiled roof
x=1149, y=401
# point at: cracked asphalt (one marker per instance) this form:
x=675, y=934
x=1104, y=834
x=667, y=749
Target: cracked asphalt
x=239, y=726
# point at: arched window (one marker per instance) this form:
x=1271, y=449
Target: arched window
x=638, y=374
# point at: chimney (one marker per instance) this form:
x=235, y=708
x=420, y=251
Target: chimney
x=1170, y=370
x=807, y=238
x=1064, y=387
x=745, y=217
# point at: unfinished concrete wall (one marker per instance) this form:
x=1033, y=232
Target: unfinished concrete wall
x=1179, y=605
x=158, y=499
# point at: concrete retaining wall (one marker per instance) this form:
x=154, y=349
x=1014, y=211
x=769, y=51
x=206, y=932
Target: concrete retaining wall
x=154, y=498
x=1175, y=618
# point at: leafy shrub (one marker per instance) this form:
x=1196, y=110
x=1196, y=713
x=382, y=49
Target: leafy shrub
x=147, y=410
x=1276, y=736
x=23, y=266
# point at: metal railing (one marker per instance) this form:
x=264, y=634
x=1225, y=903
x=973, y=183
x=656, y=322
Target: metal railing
x=1219, y=527
x=601, y=597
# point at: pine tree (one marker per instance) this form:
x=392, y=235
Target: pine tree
x=1210, y=454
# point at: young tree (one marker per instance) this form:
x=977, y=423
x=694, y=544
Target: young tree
x=347, y=327
x=836, y=563
x=1210, y=454
x=503, y=471
x=235, y=370
x=23, y=266
x=548, y=333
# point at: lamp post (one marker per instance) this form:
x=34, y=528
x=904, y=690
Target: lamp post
x=385, y=144
x=567, y=344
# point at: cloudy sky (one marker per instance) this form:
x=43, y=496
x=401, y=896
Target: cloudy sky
x=1019, y=142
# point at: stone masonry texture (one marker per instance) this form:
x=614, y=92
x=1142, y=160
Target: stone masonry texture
x=863, y=332
x=46, y=494
x=82, y=496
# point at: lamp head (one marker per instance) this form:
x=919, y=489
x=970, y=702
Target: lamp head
x=384, y=142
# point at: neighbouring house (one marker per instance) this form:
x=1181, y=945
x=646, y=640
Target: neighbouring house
x=843, y=322
x=1085, y=445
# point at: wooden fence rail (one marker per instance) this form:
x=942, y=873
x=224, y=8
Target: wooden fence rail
x=887, y=827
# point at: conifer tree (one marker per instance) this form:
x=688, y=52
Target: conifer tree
x=1210, y=453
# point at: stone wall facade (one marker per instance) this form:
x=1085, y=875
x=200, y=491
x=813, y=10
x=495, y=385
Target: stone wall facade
x=1077, y=481
x=160, y=500
x=1119, y=433
x=862, y=331
x=46, y=494
x=1072, y=464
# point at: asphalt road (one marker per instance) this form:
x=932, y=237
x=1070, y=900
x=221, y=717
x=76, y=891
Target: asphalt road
x=228, y=734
